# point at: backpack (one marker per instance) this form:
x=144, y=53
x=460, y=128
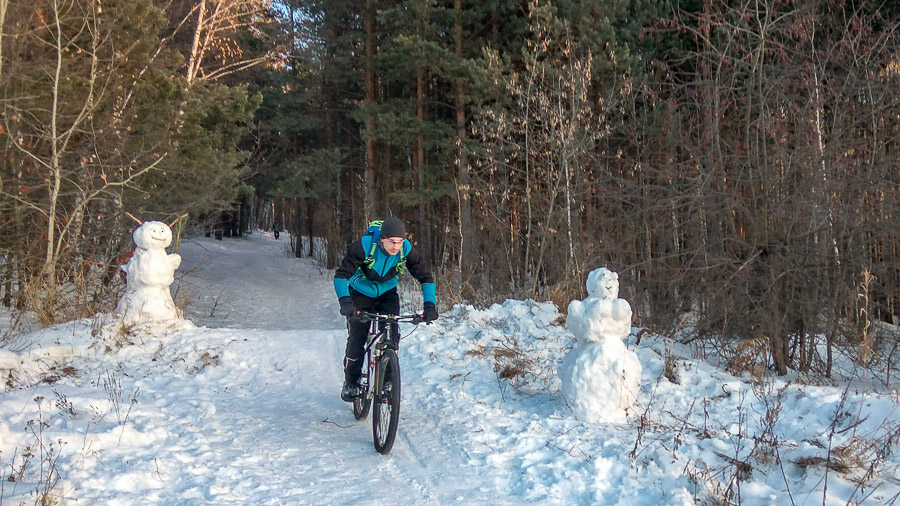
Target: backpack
x=374, y=230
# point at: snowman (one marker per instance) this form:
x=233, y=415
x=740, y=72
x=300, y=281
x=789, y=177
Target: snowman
x=149, y=272
x=600, y=377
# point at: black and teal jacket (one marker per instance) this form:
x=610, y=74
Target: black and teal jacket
x=380, y=276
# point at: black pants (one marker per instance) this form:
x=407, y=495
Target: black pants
x=386, y=303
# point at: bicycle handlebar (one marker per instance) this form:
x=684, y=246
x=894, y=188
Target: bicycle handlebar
x=366, y=317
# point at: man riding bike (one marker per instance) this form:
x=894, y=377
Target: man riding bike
x=366, y=280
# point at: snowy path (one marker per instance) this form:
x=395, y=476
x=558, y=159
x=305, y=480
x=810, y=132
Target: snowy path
x=297, y=436
x=254, y=283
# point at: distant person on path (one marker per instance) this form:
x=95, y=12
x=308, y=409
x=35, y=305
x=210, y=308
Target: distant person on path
x=277, y=230
x=367, y=281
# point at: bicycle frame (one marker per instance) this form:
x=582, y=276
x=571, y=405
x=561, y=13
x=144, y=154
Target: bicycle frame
x=376, y=343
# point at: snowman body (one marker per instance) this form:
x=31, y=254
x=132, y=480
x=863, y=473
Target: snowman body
x=149, y=273
x=600, y=376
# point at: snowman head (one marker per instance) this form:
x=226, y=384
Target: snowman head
x=603, y=284
x=152, y=235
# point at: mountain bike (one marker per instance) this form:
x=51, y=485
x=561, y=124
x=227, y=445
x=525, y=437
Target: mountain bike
x=380, y=381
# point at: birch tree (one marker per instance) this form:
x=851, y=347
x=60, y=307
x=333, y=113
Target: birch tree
x=216, y=25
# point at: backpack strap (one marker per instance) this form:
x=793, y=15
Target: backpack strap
x=401, y=265
x=370, y=255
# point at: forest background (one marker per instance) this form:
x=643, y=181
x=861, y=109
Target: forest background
x=735, y=161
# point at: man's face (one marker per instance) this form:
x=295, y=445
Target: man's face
x=392, y=245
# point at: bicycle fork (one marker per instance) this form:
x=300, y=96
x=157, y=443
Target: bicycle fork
x=371, y=355
x=372, y=379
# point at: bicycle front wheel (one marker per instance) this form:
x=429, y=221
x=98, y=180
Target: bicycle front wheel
x=386, y=413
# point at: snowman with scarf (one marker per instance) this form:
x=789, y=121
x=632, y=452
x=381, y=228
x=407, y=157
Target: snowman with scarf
x=600, y=376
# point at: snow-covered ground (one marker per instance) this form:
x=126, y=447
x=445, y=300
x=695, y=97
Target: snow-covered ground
x=244, y=409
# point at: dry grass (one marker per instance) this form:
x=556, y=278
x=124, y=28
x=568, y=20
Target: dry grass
x=750, y=356
x=36, y=464
x=670, y=370
x=80, y=295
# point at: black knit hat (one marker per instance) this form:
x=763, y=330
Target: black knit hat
x=393, y=227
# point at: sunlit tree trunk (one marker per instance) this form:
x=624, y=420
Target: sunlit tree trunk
x=196, y=49
x=217, y=25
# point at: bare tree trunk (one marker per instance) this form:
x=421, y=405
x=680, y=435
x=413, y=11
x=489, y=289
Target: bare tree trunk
x=310, y=210
x=8, y=270
x=420, y=158
x=49, y=269
x=369, y=191
x=195, y=58
x=468, y=240
x=821, y=146
x=526, y=263
x=4, y=5
x=215, y=26
x=567, y=140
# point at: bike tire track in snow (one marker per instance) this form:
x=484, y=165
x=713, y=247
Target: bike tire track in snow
x=335, y=449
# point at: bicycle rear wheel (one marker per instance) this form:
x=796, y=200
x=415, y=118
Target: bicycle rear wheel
x=361, y=405
x=386, y=414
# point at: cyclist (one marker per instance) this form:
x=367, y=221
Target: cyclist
x=367, y=281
